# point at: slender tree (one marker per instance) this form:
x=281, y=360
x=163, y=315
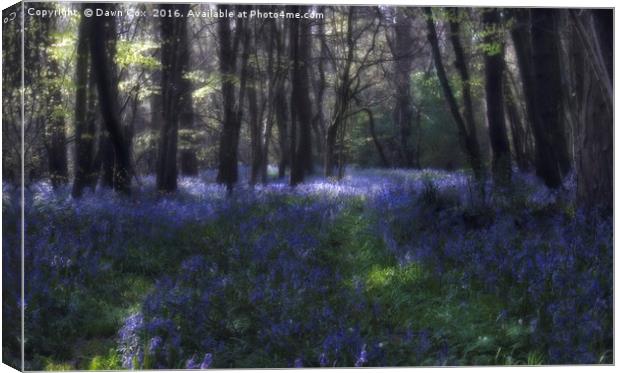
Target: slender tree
x=468, y=140
x=402, y=48
x=281, y=108
x=232, y=116
x=254, y=112
x=175, y=56
x=493, y=72
x=56, y=137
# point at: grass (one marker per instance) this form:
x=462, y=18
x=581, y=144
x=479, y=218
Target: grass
x=413, y=297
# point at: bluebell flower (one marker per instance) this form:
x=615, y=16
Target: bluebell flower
x=206, y=362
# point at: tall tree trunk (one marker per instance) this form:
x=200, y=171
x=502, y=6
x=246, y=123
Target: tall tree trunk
x=403, y=114
x=280, y=101
x=157, y=117
x=102, y=49
x=592, y=74
x=468, y=107
x=84, y=115
x=56, y=134
x=233, y=108
x=334, y=156
x=189, y=162
x=254, y=115
x=175, y=56
x=468, y=141
x=56, y=138
x=540, y=71
x=269, y=120
x=320, y=86
x=520, y=141
x=493, y=72
x=301, y=147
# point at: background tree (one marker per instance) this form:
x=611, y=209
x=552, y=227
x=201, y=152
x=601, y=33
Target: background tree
x=591, y=61
x=468, y=138
x=231, y=125
x=175, y=56
x=102, y=48
x=494, y=68
x=84, y=121
x=403, y=47
x=301, y=115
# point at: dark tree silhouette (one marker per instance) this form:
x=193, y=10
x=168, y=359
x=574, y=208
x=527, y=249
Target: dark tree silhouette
x=493, y=72
x=102, y=48
x=402, y=48
x=175, y=56
x=301, y=115
x=229, y=138
x=592, y=60
x=468, y=139
x=85, y=157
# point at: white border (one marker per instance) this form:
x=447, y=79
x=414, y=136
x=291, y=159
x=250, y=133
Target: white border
x=495, y=3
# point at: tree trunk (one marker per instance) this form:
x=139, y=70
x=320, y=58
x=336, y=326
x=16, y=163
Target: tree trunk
x=493, y=71
x=56, y=137
x=269, y=120
x=189, y=162
x=542, y=80
x=56, y=134
x=254, y=117
x=85, y=172
x=403, y=111
x=229, y=138
x=280, y=101
x=373, y=134
x=320, y=86
x=174, y=59
x=301, y=116
x=469, y=141
x=592, y=75
x=471, y=133
x=102, y=49
x=334, y=156
x=520, y=141
x=157, y=118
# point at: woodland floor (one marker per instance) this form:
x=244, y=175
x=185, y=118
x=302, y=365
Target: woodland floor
x=382, y=268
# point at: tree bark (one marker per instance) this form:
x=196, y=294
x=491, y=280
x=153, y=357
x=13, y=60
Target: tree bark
x=85, y=172
x=102, y=49
x=280, y=100
x=493, y=71
x=403, y=111
x=375, y=139
x=343, y=98
x=174, y=59
x=229, y=138
x=552, y=158
x=254, y=117
x=520, y=141
x=468, y=141
x=594, y=109
x=318, y=122
x=301, y=147
x=56, y=141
